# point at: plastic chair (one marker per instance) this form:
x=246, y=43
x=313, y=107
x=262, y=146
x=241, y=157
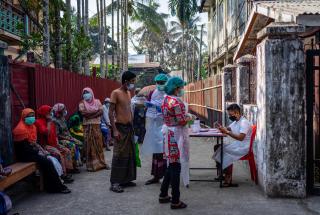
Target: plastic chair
x=250, y=156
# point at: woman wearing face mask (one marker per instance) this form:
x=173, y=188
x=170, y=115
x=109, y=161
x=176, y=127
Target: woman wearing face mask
x=153, y=140
x=27, y=150
x=48, y=139
x=176, y=146
x=91, y=109
x=59, y=113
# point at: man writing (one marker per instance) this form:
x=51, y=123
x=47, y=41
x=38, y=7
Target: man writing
x=240, y=133
x=123, y=170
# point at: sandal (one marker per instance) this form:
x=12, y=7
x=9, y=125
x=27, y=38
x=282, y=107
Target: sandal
x=65, y=191
x=116, y=188
x=229, y=185
x=129, y=184
x=164, y=200
x=181, y=205
x=152, y=181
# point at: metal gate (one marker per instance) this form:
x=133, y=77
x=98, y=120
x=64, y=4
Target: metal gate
x=313, y=121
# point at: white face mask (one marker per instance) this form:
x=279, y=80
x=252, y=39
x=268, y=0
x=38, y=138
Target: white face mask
x=130, y=86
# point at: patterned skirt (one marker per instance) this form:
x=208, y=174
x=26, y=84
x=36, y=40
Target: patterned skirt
x=63, y=154
x=94, y=148
x=74, y=149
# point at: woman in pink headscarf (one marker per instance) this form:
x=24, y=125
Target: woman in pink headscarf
x=92, y=110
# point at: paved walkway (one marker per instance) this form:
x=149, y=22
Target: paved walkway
x=91, y=195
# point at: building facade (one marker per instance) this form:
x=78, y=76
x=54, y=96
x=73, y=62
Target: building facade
x=268, y=54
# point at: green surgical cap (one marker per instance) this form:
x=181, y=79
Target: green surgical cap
x=161, y=77
x=172, y=84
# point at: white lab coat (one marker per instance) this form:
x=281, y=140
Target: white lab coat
x=153, y=139
x=234, y=150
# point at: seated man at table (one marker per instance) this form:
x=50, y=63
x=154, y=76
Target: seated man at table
x=239, y=132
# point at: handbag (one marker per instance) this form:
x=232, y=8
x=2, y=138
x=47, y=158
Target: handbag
x=138, y=160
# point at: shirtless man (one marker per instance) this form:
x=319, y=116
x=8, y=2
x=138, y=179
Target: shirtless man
x=123, y=170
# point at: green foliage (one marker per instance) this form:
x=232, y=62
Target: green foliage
x=113, y=71
x=184, y=10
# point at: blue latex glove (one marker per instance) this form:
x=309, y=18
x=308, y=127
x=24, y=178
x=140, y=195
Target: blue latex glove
x=148, y=104
x=158, y=108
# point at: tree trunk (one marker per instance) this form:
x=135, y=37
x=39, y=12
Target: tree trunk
x=46, y=33
x=79, y=63
x=200, y=54
x=182, y=58
x=112, y=33
x=118, y=35
x=122, y=33
x=105, y=38
x=57, y=40
x=68, y=32
x=101, y=37
x=86, y=31
x=126, y=35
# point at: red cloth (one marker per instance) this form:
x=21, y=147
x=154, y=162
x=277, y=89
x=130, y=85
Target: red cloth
x=23, y=131
x=45, y=136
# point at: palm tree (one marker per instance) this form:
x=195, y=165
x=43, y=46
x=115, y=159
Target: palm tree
x=68, y=35
x=105, y=37
x=79, y=63
x=186, y=38
x=46, y=33
x=86, y=31
x=118, y=33
x=55, y=18
x=101, y=36
x=184, y=10
x=112, y=31
x=125, y=35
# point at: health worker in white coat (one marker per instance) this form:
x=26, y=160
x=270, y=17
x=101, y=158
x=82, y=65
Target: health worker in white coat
x=153, y=140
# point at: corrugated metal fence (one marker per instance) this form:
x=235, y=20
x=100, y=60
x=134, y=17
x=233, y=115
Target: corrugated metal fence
x=37, y=85
x=205, y=99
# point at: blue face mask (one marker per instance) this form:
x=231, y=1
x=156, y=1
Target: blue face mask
x=160, y=87
x=181, y=93
x=29, y=120
x=87, y=96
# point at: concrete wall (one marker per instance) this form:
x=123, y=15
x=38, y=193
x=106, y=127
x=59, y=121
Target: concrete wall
x=280, y=154
x=5, y=113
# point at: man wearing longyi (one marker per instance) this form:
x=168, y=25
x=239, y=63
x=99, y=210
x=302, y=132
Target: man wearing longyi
x=123, y=170
x=240, y=133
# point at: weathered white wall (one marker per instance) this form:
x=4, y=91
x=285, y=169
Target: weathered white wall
x=280, y=152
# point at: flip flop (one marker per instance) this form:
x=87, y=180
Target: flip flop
x=116, y=189
x=164, y=200
x=181, y=205
x=230, y=185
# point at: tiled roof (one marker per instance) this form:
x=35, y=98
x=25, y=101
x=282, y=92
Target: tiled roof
x=293, y=7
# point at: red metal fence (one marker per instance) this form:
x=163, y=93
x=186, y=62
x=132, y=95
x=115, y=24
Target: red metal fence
x=37, y=85
x=205, y=99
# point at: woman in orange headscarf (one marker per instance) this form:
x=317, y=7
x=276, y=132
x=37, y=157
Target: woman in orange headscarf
x=27, y=150
x=48, y=139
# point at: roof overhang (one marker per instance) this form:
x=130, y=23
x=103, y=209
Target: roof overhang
x=265, y=12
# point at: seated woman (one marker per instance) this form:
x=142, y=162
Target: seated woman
x=75, y=127
x=58, y=117
x=27, y=150
x=48, y=139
